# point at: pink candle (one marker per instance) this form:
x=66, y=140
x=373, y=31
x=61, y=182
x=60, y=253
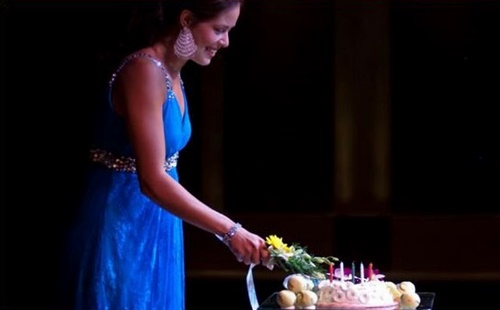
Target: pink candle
x=370, y=271
x=331, y=272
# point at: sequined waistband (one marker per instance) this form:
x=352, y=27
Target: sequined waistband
x=124, y=163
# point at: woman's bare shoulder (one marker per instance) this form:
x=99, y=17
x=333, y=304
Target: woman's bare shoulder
x=143, y=70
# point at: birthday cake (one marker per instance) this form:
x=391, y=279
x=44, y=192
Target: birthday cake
x=310, y=286
x=302, y=292
x=374, y=294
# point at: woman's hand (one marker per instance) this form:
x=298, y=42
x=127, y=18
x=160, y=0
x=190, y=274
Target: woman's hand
x=249, y=248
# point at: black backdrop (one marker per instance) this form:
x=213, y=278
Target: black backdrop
x=50, y=76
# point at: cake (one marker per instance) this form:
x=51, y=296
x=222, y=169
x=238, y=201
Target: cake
x=374, y=294
x=307, y=286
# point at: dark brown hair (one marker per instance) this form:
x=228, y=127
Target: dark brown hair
x=138, y=24
x=151, y=21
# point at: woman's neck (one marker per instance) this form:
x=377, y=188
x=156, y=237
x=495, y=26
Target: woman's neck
x=173, y=64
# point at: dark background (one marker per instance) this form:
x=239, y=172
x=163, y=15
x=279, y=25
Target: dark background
x=445, y=95
x=445, y=118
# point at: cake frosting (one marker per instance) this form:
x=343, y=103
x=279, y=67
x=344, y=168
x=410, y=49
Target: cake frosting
x=374, y=294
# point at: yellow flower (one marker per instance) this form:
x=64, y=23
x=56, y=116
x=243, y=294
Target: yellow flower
x=278, y=244
x=295, y=259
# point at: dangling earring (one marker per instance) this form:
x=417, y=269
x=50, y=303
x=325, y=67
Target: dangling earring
x=184, y=46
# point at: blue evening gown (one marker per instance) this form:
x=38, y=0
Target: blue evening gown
x=128, y=252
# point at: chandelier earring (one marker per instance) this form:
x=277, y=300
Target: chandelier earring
x=184, y=46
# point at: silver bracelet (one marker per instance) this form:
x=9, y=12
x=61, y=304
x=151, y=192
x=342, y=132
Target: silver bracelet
x=230, y=233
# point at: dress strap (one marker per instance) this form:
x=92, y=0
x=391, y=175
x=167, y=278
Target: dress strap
x=124, y=163
x=148, y=56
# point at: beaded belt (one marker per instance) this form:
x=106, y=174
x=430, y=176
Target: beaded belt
x=124, y=163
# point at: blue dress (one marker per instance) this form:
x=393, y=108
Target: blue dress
x=128, y=251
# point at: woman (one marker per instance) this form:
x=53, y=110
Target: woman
x=129, y=239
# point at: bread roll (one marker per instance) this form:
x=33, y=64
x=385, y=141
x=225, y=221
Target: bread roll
x=286, y=299
x=297, y=283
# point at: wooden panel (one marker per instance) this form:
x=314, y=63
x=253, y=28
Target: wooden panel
x=446, y=243
x=364, y=239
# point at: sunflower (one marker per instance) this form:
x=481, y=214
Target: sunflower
x=277, y=243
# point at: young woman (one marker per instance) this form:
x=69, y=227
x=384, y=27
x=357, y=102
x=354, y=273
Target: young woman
x=128, y=242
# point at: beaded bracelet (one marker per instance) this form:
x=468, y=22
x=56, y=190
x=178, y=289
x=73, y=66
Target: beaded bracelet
x=230, y=233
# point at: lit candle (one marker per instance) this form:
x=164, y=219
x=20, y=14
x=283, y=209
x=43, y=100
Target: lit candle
x=331, y=272
x=370, y=271
x=362, y=272
x=342, y=271
x=353, y=272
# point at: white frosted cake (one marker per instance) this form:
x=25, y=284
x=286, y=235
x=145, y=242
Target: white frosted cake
x=373, y=294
